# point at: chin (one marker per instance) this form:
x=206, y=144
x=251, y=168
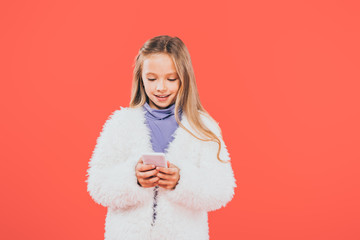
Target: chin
x=162, y=105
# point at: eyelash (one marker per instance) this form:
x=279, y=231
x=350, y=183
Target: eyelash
x=152, y=79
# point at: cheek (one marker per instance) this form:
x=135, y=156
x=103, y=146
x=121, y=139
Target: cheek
x=175, y=88
x=147, y=86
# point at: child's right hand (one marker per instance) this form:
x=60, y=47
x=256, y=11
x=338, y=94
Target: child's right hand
x=146, y=174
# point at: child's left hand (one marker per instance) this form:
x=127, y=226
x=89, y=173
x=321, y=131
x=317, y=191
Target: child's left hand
x=169, y=177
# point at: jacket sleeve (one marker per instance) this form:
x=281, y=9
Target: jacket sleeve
x=209, y=185
x=111, y=175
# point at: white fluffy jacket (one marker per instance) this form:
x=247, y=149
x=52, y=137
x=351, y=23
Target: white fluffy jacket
x=205, y=183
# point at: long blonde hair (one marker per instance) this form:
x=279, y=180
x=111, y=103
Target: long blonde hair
x=187, y=97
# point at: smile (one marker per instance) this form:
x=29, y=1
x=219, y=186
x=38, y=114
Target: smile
x=162, y=96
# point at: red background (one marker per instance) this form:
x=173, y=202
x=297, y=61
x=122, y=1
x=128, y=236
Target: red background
x=281, y=78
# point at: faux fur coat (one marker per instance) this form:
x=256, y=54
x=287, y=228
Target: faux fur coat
x=205, y=183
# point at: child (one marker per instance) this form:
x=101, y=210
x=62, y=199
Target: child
x=165, y=115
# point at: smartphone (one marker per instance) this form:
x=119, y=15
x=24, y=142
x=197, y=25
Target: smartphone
x=156, y=158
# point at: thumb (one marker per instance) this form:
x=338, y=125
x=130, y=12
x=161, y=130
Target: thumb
x=168, y=164
x=139, y=162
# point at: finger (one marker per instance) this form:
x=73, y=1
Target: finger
x=166, y=170
x=138, y=163
x=148, y=181
x=173, y=165
x=147, y=174
x=164, y=176
x=169, y=177
x=145, y=167
x=167, y=185
x=165, y=182
x=151, y=180
x=154, y=180
x=149, y=185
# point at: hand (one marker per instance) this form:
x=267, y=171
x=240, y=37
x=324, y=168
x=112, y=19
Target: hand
x=146, y=174
x=169, y=177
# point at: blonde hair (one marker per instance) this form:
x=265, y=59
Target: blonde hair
x=187, y=97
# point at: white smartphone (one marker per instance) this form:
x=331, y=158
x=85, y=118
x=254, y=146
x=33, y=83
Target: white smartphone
x=156, y=158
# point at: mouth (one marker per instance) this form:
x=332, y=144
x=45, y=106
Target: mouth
x=162, y=97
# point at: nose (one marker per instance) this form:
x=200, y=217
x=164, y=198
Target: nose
x=161, y=85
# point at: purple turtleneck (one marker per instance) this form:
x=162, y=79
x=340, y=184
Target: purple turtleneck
x=162, y=124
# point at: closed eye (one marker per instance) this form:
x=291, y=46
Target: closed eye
x=152, y=79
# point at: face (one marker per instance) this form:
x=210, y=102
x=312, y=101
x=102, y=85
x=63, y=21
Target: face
x=160, y=80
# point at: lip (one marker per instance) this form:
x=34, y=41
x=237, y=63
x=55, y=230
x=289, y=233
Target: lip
x=162, y=99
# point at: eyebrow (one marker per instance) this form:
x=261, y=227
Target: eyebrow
x=156, y=74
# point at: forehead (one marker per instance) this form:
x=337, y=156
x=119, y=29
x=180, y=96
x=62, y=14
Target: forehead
x=158, y=64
